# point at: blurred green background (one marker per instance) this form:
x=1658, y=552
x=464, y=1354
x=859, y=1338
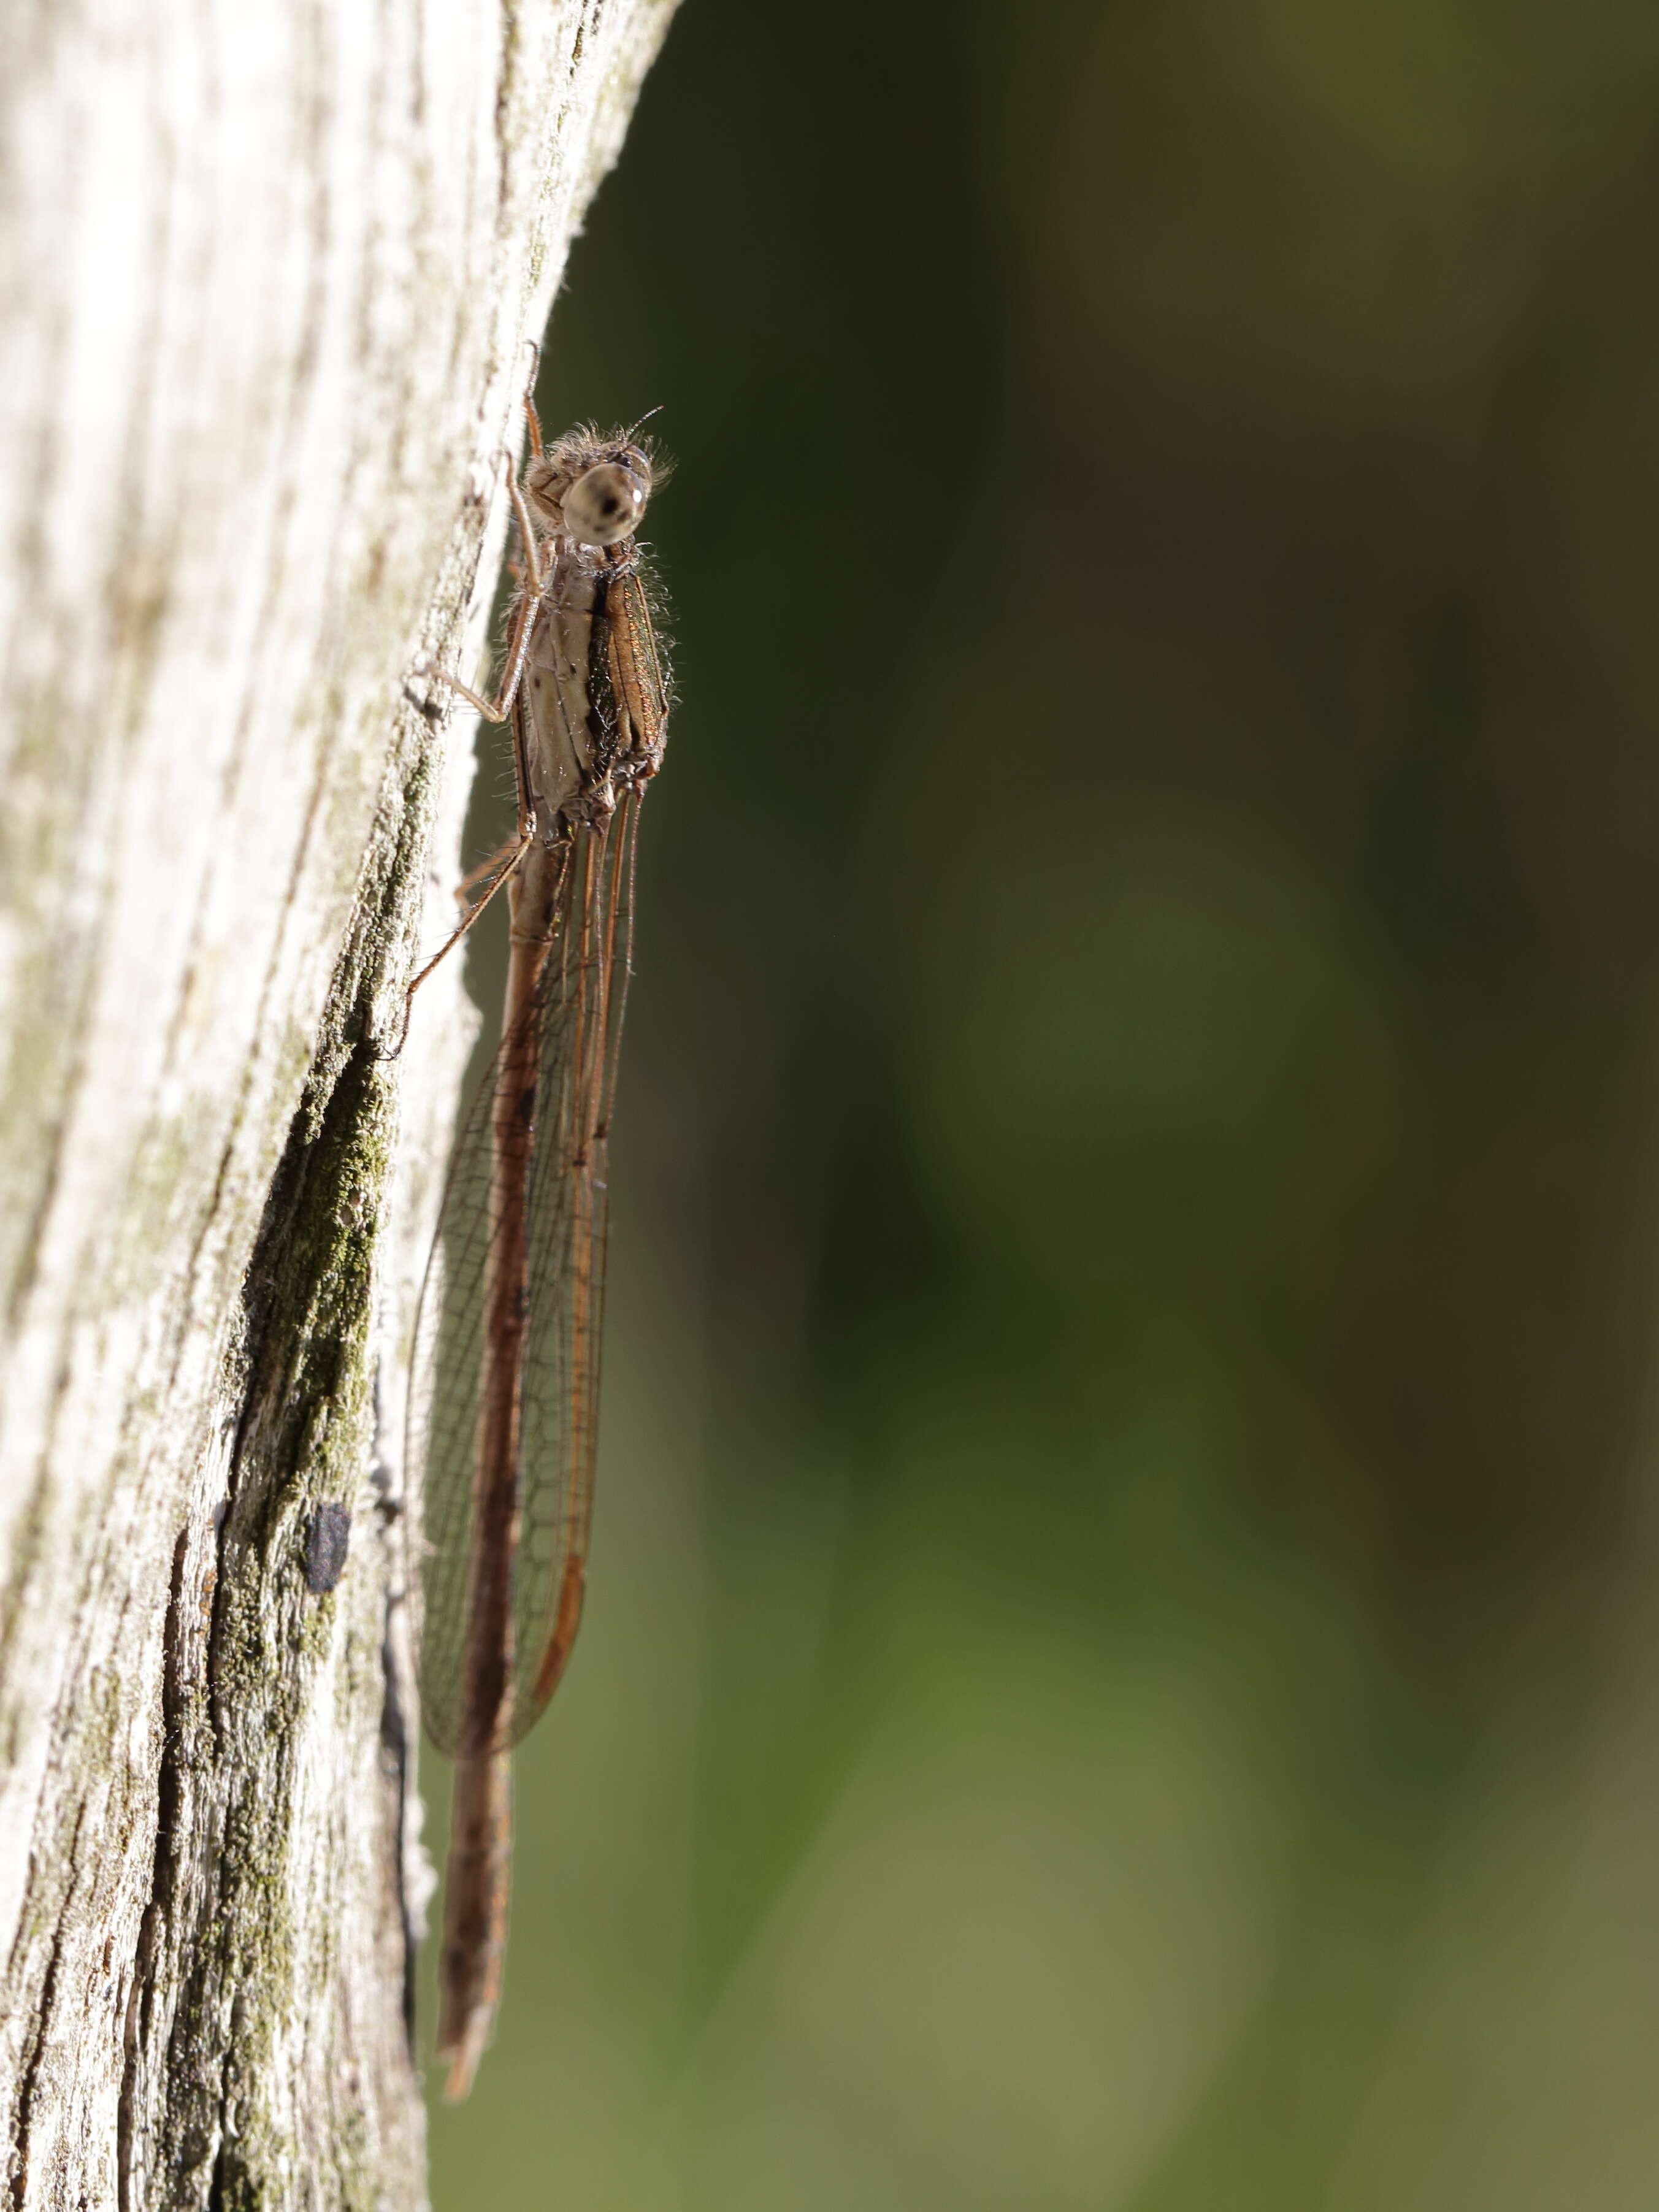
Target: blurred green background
x=1121, y=1665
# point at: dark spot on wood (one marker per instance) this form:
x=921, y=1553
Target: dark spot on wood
x=327, y=1540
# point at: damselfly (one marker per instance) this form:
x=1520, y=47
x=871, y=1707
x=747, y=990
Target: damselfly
x=504, y=1396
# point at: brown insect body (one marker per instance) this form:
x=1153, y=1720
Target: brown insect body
x=504, y=1407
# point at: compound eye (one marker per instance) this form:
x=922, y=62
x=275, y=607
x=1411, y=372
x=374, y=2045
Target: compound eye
x=604, y=504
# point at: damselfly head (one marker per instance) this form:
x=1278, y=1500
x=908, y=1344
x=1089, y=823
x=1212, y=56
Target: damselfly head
x=605, y=504
x=591, y=489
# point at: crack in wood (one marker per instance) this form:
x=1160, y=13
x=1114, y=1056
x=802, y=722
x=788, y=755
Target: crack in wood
x=168, y=1791
x=29, y=2080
